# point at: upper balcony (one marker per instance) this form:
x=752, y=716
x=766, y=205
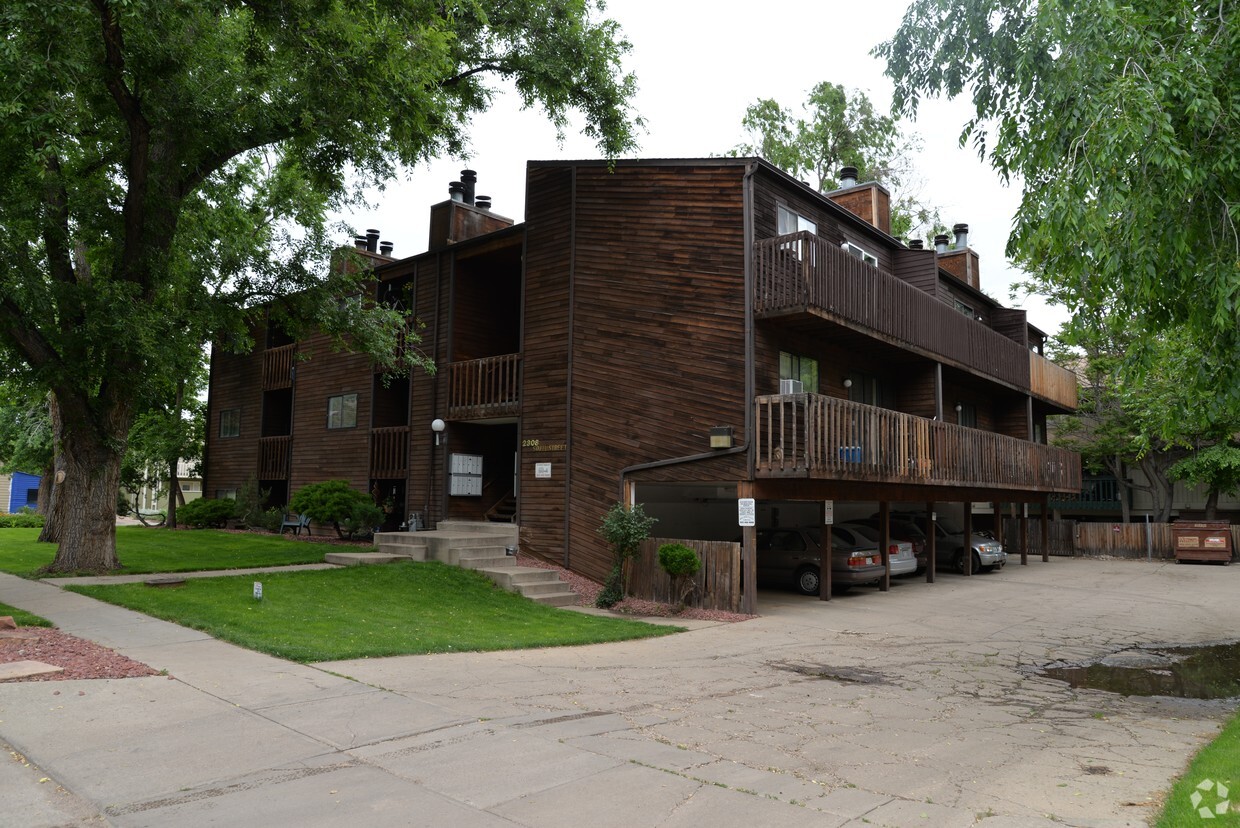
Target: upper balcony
x=1052, y=382
x=278, y=367
x=814, y=436
x=482, y=389
x=803, y=273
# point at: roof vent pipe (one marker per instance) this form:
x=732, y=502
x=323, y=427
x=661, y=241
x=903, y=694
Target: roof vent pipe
x=469, y=180
x=359, y=242
x=940, y=243
x=916, y=244
x=483, y=202
x=962, y=235
x=385, y=247
x=456, y=191
x=848, y=177
x=372, y=240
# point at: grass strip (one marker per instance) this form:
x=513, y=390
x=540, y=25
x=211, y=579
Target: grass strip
x=369, y=612
x=142, y=550
x=1217, y=763
x=23, y=618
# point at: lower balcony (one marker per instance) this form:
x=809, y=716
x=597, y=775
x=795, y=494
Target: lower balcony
x=813, y=436
x=488, y=388
x=389, y=452
x=273, y=457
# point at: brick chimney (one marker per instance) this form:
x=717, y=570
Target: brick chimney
x=463, y=216
x=870, y=200
x=961, y=261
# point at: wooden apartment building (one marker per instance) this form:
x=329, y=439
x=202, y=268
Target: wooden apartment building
x=667, y=330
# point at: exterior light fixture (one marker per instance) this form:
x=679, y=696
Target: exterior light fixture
x=959, y=407
x=438, y=425
x=847, y=382
x=721, y=437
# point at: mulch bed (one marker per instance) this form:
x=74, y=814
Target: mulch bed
x=81, y=659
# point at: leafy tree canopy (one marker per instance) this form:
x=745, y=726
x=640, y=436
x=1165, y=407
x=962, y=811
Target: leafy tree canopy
x=167, y=166
x=840, y=128
x=1123, y=122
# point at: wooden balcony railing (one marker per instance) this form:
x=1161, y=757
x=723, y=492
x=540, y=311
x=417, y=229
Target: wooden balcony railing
x=273, y=457
x=482, y=388
x=1052, y=382
x=389, y=452
x=804, y=272
x=278, y=367
x=810, y=435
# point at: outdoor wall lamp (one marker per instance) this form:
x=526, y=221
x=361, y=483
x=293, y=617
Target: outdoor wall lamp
x=959, y=407
x=721, y=437
x=847, y=382
x=438, y=425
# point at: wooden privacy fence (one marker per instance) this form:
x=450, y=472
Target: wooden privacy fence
x=1071, y=538
x=718, y=581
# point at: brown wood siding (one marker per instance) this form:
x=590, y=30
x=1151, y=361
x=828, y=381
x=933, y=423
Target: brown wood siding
x=915, y=392
x=236, y=382
x=544, y=355
x=319, y=453
x=770, y=192
x=917, y=267
x=1011, y=418
x=658, y=329
x=1012, y=324
x=431, y=275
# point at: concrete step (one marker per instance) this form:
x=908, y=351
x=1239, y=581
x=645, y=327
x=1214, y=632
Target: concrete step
x=488, y=562
x=408, y=551
x=556, y=599
x=360, y=558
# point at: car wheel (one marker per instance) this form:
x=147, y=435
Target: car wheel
x=808, y=582
x=958, y=563
x=977, y=564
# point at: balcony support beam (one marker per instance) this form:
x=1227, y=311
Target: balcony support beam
x=931, y=543
x=884, y=542
x=967, y=551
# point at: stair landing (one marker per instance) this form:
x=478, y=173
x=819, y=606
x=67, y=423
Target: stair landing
x=481, y=546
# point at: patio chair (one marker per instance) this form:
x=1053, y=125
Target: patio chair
x=296, y=523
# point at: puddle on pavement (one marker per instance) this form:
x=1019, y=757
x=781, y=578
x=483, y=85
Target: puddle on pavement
x=1202, y=672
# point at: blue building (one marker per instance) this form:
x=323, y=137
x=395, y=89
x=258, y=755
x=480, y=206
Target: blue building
x=23, y=490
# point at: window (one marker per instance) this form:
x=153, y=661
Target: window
x=225, y=494
x=191, y=486
x=792, y=222
x=800, y=368
x=342, y=411
x=230, y=422
x=967, y=310
x=864, y=255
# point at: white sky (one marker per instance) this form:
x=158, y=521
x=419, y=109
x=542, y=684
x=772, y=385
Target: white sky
x=699, y=65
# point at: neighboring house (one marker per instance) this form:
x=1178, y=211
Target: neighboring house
x=19, y=490
x=1100, y=500
x=678, y=333
x=155, y=498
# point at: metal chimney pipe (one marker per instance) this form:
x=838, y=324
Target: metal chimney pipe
x=916, y=244
x=469, y=180
x=848, y=177
x=372, y=241
x=359, y=242
x=483, y=202
x=385, y=247
x=456, y=191
x=940, y=243
x=962, y=235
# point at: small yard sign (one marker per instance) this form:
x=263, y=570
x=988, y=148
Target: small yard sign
x=747, y=509
x=258, y=590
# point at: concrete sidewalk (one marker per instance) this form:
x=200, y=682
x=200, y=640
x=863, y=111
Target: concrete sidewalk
x=905, y=708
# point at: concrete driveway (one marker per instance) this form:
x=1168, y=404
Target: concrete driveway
x=901, y=709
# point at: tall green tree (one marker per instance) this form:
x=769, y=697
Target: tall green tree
x=167, y=165
x=840, y=128
x=1123, y=123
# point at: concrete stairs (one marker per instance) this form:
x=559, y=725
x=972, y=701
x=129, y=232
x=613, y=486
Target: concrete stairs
x=481, y=546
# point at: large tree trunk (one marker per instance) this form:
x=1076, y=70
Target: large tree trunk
x=92, y=446
x=174, y=495
x=1212, y=504
x=53, y=513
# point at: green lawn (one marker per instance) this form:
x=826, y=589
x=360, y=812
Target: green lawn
x=144, y=550
x=23, y=618
x=1218, y=762
x=369, y=611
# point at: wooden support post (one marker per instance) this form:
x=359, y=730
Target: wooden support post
x=967, y=550
x=1024, y=534
x=824, y=563
x=1046, y=530
x=749, y=557
x=884, y=543
x=931, y=555
x=998, y=513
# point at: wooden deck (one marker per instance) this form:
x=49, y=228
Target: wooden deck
x=804, y=273
x=389, y=452
x=273, y=453
x=278, y=367
x=485, y=388
x=814, y=436
x=1052, y=382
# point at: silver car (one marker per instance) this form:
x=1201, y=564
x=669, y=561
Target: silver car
x=900, y=555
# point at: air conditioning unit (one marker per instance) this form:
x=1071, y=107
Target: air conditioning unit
x=791, y=387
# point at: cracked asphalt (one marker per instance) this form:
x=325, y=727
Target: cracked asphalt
x=915, y=707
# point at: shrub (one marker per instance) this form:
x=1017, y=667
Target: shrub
x=351, y=512
x=250, y=500
x=21, y=521
x=625, y=529
x=680, y=563
x=270, y=519
x=207, y=513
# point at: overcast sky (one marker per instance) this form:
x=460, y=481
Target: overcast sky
x=699, y=65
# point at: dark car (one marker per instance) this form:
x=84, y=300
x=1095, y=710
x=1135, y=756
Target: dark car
x=904, y=530
x=793, y=556
x=987, y=553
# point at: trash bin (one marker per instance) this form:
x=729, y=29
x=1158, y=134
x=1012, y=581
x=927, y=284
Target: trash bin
x=1202, y=540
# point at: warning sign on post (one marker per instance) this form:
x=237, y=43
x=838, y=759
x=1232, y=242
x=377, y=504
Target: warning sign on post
x=747, y=511
x=828, y=512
